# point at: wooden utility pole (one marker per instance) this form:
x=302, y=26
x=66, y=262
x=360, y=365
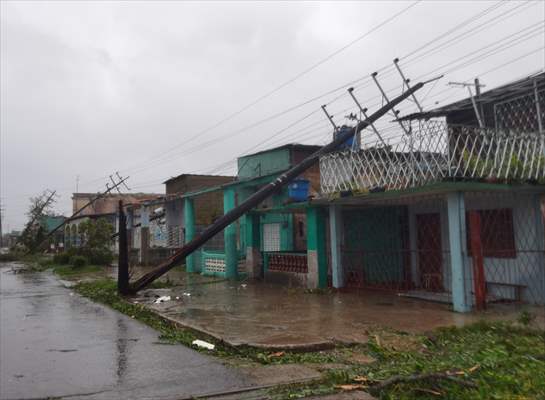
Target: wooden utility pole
x=98, y=196
x=266, y=191
x=123, y=259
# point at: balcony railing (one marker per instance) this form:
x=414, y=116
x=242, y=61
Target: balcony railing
x=435, y=152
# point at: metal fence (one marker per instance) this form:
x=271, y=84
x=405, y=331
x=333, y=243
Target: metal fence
x=523, y=113
x=433, y=152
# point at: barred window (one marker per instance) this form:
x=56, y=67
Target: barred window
x=497, y=233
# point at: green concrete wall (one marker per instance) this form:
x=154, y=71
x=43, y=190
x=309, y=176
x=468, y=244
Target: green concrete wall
x=263, y=164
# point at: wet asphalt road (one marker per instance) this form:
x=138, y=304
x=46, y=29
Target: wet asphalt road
x=54, y=343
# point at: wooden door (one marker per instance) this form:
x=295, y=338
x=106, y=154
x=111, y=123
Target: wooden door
x=430, y=257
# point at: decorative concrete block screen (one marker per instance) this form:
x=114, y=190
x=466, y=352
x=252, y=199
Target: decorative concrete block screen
x=213, y=263
x=287, y=262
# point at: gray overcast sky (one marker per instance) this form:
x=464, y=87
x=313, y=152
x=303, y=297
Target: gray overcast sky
x=88, y=88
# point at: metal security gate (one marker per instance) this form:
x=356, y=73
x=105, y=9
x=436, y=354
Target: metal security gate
x=375, y=248
x=430, y=254
x=271, y=237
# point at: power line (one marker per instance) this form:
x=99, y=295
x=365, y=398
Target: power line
x=465, y=22
x=293, y=79
x=416, y=57
x=214, y=141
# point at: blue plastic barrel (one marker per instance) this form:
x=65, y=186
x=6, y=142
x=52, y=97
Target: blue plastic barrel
x=298, y=189
x=349, y=142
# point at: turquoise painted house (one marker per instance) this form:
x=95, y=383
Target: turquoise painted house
x=280, y=240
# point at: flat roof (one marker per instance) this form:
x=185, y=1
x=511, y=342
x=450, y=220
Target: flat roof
x=200, y=175
x=295, y=146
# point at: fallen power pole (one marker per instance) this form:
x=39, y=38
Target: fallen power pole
x=232, y=215
x=98, y=196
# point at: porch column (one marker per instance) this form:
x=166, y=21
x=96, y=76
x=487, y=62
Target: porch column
x=253, y=253
x=457, y=243
x=316, y=249
x=189, y=222
x=230, y=237
x=144, y=235
x=335, y=237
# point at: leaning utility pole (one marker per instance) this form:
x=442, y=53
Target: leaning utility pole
x=266, y=191
x=478, y=110
x=98, y=196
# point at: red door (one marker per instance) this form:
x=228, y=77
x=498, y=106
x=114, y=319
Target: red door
x=430, y=258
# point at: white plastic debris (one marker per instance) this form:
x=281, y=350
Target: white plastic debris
x=203, y=344
x=177, y=297
x=243, y=286
x=187, y=294
x=162, y=299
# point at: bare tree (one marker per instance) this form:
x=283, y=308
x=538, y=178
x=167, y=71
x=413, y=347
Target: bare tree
x=34, y=231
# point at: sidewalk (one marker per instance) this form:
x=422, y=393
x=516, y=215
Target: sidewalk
x=266, y=316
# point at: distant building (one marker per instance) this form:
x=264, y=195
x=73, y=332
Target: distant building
x=208, y=206
x=106, y=208
x=106, y=204
x=49, y=224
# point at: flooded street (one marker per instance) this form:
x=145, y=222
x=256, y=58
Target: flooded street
x=54, y=343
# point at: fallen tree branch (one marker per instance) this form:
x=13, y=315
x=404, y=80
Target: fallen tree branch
x=414, y=378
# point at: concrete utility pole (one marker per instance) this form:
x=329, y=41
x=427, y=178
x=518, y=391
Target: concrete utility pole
x=266, y=191
x=477, y=109
x=123, y=260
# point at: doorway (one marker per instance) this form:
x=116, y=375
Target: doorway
x=430, y=252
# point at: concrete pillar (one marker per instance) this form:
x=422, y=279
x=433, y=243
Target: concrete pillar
x=253, y=252
x=335, y=238
x=230, y=237
x=189, y=221
x=316, y=249
x=144, y=235
x=461, y=284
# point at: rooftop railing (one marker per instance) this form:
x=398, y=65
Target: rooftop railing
x=432, y=152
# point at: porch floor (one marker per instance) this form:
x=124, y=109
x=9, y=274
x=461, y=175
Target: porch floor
x=439, y=297
x=264, y=315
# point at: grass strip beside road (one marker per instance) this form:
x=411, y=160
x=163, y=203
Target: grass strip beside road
x=480, y=361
